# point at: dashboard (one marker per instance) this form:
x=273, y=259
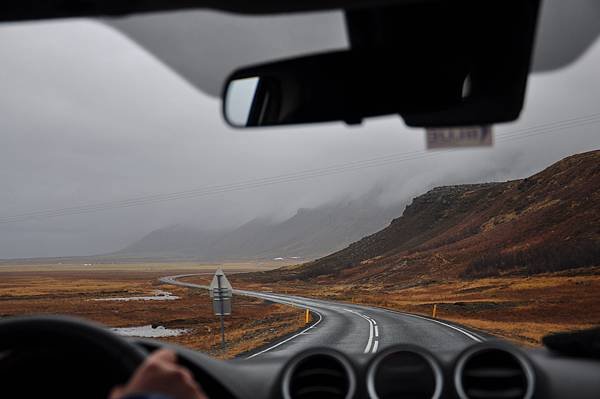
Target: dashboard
x=73, y=358
x=487, y=370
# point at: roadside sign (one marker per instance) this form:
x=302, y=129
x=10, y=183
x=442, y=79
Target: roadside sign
x=220, y=287
x=221, y=292
x=224, y=307
x=457, y=137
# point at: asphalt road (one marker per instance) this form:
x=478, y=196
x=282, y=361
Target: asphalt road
x=355, y=328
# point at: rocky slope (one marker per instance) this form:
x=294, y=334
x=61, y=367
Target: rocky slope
x=547, y=222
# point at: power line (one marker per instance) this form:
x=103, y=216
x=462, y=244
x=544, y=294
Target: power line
x=282, y=178
x=292, y=177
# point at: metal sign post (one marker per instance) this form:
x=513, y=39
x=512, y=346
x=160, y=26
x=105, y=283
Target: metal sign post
x=221, y=293
x=221, y=314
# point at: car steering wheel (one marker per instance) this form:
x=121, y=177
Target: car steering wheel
x=66, y=354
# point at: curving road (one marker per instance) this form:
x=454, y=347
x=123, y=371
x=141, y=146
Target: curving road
x=355, y=328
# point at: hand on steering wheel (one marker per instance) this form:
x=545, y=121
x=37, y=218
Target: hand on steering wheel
x=160, y=374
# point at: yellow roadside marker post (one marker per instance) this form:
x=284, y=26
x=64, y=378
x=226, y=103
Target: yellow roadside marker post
x=434, y=313
x=306, y=316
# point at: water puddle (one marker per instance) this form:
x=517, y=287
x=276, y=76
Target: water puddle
x=159, y=295
x=149, y=331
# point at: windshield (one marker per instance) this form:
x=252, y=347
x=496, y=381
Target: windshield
x=123, y=191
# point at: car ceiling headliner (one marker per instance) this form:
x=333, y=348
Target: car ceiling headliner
x=204, y=47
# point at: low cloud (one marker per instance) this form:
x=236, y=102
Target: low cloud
x=88, y=117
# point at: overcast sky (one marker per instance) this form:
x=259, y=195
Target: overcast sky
x=87, y=116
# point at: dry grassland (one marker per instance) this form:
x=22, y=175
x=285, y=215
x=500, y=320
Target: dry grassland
x=72, y=289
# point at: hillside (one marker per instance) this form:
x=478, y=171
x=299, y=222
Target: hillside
x=308, y=234
x=547, y=222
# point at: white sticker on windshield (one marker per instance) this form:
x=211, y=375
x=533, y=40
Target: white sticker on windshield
x=456, y=137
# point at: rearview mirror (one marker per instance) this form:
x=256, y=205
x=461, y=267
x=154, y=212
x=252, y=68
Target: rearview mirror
x=240, y=99
x=468, y=67
x=347, y=86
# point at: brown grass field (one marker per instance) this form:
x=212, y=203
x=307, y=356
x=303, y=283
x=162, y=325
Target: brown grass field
x=521, y=309
x=70, y=289
x=518, y=308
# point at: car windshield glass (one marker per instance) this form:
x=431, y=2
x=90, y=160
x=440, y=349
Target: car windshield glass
x=124, y=191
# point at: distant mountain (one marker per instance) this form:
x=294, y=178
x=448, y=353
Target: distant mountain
x=547, y=222
x=308, y=234
x=172, y=242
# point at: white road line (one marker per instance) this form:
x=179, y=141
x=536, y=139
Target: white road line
x=375, y=346
x=475, y=337
x=288, y=339
x=372, y=345
x=465, y=332
x=370, y=341
x=371, y=329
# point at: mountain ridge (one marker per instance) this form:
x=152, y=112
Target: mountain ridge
x=307, y=234
x=538, y=224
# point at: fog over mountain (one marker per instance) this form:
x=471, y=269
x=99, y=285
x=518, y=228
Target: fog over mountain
x=88, y=117
x=308, y=234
